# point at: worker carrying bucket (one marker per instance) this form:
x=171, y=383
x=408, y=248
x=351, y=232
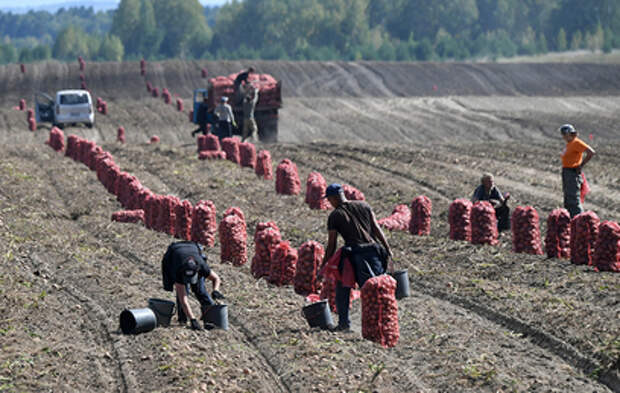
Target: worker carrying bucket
x=183, y=267
x=366, y=249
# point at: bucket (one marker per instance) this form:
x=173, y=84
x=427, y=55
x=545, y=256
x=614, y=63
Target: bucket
x=318, y=314
x=402, y=284
x=138, y=320
x=217, y=315
x=163, y=309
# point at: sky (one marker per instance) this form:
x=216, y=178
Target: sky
x=51, y=5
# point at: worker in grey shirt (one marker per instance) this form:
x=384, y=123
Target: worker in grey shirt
x=249, y=104
x=226, y=119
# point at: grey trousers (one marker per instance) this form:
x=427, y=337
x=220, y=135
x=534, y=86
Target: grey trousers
x=571, y=186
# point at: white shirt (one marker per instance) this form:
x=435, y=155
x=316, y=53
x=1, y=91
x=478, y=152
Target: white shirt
x=224, y=113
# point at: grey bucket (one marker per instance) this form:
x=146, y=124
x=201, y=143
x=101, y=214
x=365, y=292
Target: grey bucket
x=163, y=309
x=318, y=314
x=217, y=315
x=138, y=320
x=402, y=284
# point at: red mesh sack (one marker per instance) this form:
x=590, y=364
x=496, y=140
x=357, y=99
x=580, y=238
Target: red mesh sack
x=584, y=230
x=526, y=231
x=483, y=224
x=607, y=252
x=212, y=142
x=22, y=105
x=183, y=220
x=149, y=87
x=233, y=240
x=248, y=155
x=165, y=214
x=22, y=68
x=56, y=139
x=328, y=292
x=283, y=264
x=287, y=179
x=263, y=165
x=231, y=147
x=151, y=211
x=380, y=311
x=315, y=191
x=203, y=72
x=459, y=217
x=421, y=209
x=32, y=124
x=352, y=193
x=202, y=143
x=154, y=139
x=30, y=114
x=212, y=155
x=310, y=255
x=179, y=105
x=155, y=92
x=204, y=223
x=120, y=134
x=71, y=149
x=236, y=211
x=128, y=216
x=399, y=220
x=557, y=241
x=266, y=238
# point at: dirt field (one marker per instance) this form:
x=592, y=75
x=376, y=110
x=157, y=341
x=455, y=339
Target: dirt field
x=480, y=319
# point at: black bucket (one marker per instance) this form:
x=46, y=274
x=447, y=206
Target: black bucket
x=218, y=316
x=138, y=320
x=402, y=284
x=163, y=309
x=318, y=314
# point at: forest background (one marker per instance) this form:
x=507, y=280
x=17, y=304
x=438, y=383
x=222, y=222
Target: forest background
x=390, y=30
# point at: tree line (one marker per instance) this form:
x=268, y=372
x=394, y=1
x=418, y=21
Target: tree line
x=403, y=30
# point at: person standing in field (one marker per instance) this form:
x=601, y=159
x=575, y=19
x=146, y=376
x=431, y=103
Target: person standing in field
x=249, y=105
x=226, y=119
x=365, y=248
x=573, y=161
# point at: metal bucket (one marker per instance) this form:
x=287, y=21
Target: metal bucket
x=163, y=309
x=138, y=320
x=218, y=316
x=402, y=284
x=318, y=314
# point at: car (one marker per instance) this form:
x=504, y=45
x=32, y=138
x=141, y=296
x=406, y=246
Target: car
x=69, y=107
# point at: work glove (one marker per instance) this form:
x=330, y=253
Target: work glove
x=217, y=295
x=195, y=324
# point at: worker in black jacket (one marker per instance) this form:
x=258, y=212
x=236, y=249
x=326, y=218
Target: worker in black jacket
x=183, y=267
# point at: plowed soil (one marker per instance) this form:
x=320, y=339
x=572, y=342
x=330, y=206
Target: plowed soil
x=480, y=319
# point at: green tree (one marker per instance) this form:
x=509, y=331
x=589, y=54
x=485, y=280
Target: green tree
x=561, y=44
x=71, y=43
x=576, y=41
x=148, y=36
x=125, y=25
x=111, y=48
x=181, y=21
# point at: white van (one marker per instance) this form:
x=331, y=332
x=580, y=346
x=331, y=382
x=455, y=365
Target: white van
x=74, y=106
x=69, y=107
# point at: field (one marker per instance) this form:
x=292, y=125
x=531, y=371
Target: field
x=480, y=319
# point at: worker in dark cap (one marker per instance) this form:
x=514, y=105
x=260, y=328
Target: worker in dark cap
x=183, y=267
x=573, y=161
x=365, y=246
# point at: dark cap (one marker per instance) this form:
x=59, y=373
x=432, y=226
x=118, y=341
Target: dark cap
x=190, y=271
x=333, y=190
x=568, y=129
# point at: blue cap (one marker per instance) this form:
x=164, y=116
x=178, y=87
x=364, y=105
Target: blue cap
x=333, y=189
